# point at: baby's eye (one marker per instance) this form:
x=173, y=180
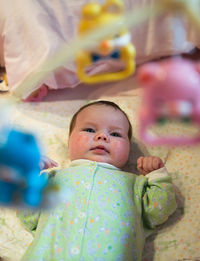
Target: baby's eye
x=89, y=130
x=115, y=134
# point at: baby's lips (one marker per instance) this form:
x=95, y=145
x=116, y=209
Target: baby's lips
x=101, y=148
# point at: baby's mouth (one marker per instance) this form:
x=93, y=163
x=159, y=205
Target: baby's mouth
x=100, y=148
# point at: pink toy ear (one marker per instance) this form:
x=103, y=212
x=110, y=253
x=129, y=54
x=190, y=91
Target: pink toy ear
x=197, y=67
x=150, y=73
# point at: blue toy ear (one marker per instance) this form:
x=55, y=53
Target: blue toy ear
x=3, y=137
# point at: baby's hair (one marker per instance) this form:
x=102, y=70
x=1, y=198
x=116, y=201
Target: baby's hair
x=101, y=102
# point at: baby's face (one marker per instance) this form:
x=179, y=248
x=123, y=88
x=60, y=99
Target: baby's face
x=100, y=134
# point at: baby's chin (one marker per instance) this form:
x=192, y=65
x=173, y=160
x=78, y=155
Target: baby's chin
x=103, y=159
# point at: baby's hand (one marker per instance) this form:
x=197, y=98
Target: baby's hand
x=148, y=164
x=47, y=163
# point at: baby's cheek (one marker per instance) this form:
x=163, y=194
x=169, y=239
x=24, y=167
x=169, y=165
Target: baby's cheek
x=82, y=139
x=81, y=143
x=121, y=148
x=116, y=145
x=77, y=145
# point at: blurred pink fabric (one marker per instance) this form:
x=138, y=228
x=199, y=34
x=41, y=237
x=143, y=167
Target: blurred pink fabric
x=33, y=30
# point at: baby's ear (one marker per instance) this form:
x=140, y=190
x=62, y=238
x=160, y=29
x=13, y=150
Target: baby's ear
x=150, y=73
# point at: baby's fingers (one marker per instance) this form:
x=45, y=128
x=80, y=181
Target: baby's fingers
x=140, y=163
x=140, y=166
x=148, y=164
x=47, y=163
x=157, y=163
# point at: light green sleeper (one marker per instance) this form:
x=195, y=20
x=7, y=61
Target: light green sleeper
x=107, y=217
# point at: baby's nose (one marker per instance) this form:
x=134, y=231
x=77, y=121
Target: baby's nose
x=102, y=136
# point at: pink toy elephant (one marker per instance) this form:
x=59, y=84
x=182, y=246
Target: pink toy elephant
x=171, y=91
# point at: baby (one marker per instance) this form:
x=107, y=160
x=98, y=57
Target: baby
x=111, y=211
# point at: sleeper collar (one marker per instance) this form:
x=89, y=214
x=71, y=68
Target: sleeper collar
x=79, y=162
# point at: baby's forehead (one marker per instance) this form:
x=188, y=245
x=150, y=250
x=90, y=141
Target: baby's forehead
x=102, y=113
x=98, y=110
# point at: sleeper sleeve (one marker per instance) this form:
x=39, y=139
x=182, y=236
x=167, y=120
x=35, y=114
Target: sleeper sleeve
x=29, y=218
x=158, y=198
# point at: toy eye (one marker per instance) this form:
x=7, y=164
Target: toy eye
x=158, y=103
x=28, y=138
x=89, y=130
x=117, y=36
x=113, y=9
x=191, y=101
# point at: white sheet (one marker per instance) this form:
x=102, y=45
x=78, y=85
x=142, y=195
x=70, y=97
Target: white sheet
x=178, y=238
x=33, y=30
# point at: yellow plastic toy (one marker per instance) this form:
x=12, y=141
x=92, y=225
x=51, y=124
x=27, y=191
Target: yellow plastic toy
x=118, y=46
x=5, y=79
x=3, y=82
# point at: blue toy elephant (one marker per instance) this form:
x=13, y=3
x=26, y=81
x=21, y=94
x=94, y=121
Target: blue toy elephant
x=19, y=169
